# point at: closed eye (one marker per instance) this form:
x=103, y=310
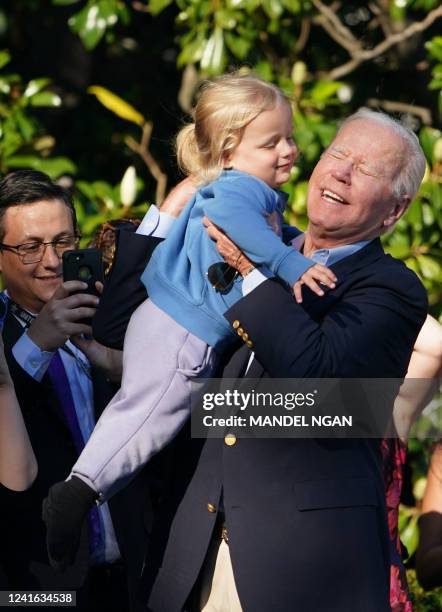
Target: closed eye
x=30, y=247
x=366, y=171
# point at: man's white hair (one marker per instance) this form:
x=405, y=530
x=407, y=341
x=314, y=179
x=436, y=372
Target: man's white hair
x=409, y=177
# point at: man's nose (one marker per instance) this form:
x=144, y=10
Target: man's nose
x=342, y=172
x=50, y=258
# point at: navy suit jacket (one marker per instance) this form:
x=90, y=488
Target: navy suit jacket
x=306, y=518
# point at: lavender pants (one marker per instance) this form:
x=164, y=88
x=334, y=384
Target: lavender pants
x=161, y=360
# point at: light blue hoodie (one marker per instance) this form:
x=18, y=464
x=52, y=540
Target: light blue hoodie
x=176, y=276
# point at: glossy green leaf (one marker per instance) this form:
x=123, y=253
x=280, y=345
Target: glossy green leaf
x=273, y=8
x=294, y=6
x=54, y=167
x=35, y=86
x=156, y=6
x=434, y=47
x=397, y=250
x=212, y=59
x=45, y=98
x=428, y=137
x=323, y=90
x=410, y=535
x=116, y=104
x=240, y=47
x=5, y=87
x=91, y=22
x=430, y=267
x=25, y=124
x=92, y=222
x=5, y=58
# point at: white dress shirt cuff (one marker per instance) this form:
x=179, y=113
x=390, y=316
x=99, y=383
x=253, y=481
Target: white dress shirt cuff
x=255, y=278
x=31, y=358
x=155, y=223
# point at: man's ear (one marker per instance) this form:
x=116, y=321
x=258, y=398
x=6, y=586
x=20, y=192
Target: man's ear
x=398, y=209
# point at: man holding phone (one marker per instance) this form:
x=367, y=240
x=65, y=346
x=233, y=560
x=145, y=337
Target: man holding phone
x=59, y=390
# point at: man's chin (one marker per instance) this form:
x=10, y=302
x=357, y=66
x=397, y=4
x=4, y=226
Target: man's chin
x=47, y=286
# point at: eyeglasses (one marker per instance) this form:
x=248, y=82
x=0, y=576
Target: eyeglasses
x=33, y=252
x=221, y=276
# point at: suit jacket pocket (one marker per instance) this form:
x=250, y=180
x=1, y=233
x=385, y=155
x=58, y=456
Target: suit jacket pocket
x=335, y=493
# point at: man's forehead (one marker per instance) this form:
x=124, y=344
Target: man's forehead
x=370, y=141
x=36, y=216
x=365, y=131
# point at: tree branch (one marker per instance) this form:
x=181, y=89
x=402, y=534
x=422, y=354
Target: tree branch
x=402, y=107
x=362, y=55
x=331, y=22
x=303, y=35
x=142, y=149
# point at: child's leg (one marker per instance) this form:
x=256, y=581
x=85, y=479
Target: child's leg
x=160, y=360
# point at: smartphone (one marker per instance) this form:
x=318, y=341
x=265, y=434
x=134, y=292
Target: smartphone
x=85, y=265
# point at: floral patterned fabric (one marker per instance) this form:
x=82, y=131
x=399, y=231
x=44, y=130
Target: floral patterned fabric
x=394, y=453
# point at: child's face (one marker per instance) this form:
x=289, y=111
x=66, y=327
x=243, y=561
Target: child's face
x=267, y=149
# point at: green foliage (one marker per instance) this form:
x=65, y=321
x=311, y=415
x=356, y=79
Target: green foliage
x=96, y=19
x=22, y=137
x=99, y=201
x=434, y=48
x=423, y=601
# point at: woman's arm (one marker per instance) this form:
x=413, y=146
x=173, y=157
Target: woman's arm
x=429, y=552
x=423, y=377
x=18, y=466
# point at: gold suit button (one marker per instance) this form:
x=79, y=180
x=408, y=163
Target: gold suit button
x=211, y=508
x=230, y=439
x=245, y=336
x=235, y=324
x=249, y=343
x=240, y=331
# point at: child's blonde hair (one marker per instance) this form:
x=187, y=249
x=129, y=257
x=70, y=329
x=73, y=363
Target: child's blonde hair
x=226, y=105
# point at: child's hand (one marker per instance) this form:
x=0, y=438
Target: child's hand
x=318, y=272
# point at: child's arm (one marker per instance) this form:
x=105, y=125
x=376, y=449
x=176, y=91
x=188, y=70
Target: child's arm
x=240, y=207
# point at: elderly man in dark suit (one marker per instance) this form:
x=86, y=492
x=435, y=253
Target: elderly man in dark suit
x=281, y=525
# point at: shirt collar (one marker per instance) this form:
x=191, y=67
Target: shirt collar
x=328, y=257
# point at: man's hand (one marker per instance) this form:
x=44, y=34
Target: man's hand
x=107, y=359
x=61, y=317
x=64, y=512
x=228, y=249
x=179, y=196
x=318, y=272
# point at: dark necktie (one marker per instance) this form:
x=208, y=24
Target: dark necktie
x=60, y=383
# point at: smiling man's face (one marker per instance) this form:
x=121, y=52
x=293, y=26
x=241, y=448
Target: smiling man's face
x=32, y=285
x=350, y=195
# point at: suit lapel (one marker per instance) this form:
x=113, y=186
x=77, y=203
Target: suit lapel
x=316, y=305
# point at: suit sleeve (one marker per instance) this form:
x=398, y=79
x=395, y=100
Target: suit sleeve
x=123, y=291
x=368, y=332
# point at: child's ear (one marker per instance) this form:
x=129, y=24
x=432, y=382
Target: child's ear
x=227, y=160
